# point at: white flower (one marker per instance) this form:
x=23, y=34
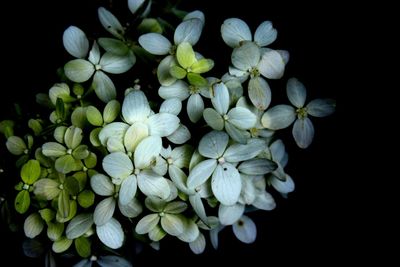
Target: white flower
x=281, y=116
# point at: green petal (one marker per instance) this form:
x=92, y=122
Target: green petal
x=202, y=66
x=81, y=152
x=82, y=246
x=104, y=211
x=33, y=225
x=79, y=225
x=226, y=184
x=259, y=93
x=22, y=201
x=61, y=245
x=220, y=100
x=213, y=119
x=94, y=116
x=213, y=144
x=55, y=230
x=114, y=46
x=163, y=71
x=172, y=224
x=30, y=171
x=177, y=72
x=196, y=79
x=111, y=111
x=303, y=132
x=200, y=173
x=71, y=185
x=175, y=207
x=104, y=87
x=66, y=164
x=157, y=233
x=278, y=117
x=46, y=188
x=16, y=145
x=78, y=117
x=86, y=199
x=73, y=137
x=242, y=118
x=79, y=70
x=47, y=214
x=147, y=223
x=117, y=165
x=111, y=234
x=60, y=90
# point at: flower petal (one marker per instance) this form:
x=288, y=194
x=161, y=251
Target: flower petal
x=180, y=136
x=104, y=87
x=94, y=54
x=188, y=31
x=283, y=187
x=245, y=230
x=198, y=206
x=153, y=185
x=101, y=185
x=195, y=107
x=115, y=130
x=242, y=152
x=259, y=93
x=162, y=124
x=264, y=201
x=178, y=89
x=117, y=165
x=134, y=135
x=132, y=209
x=278, y=117
x=147, y=223
x=200, y=173
x=110, y=23
x=303, y=132
x=226, y=184
x=117, y=47
x=147, y=150
x=213, y=144
x=257, y=167
x=185, y=55
x=246, y=56
x=115, y=261
x=172, y=224
x=128, y=190
x=220, y=101
x=104, y=211
x=213, y=119
x=79, y=225
x=75, y=42
x=228, y=215
x=111, y=234
x=234, y=31
x=272, y=65
x=79, y=70
x=242, y=118
x=190, y=232
x=33, y=225
x=199, y=245
x=135, y=107
x=296, y=92
x=163, y=71
x=265, y=34
x=321, y=107
x=155, y=43
x=237, y=134
x=116, y=64
x=172, y=106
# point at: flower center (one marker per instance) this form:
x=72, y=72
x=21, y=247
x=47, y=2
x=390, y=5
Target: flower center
x=301, y=113
x=97, y=67
x=225, y=117
x=193, y=89
x=254, y=72
x=221, y=160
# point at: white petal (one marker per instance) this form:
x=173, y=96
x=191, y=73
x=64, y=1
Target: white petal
x=114, y=261
x=272, y=65
x=242, y=152
x=242, y=75
x=259, y=93
x=246, y=56
x=220, y=100
x=228, y=215
x=264, y=201
x=181, y=156
x=132, y=209
x=117, y=165
x=242, y=118
x=135, y=107
x=94, y=54
x=226, y=184
x=180, y=136
x=278, y=117
x=111, y=234
x=198, y=206
x=134, y=135
x=213, y=144
x=237, y=134
x=115, y=64
x=116, y=130
x=110, y=23
x=245, y=230
x=104, y=87
x=163, y=75
x=321, y=107
x=234, y=31
x=162, y=124
x=188, y=31
x=178, y=89
x=283, y=187
x=155, y=43
x=75, y=42
x=285, y=55
x=147, y=150
x=172, y=106
x=172, y=224
x=277, y=149
x=303, y=132
x=248, y=193
x=147, y=223
x=104, y=211
x=199, y=245
x=159, y=166
x=179, y=179
x=265, y=34
x=128, y=190
x=153, y=185
x=79, y=225
x=79, y=70
x=197, y=14
x=213, y=119
x=200, y=173
x=101, y=185
x=134, y=5
x=257, y=167
x=296, y=92
x=195, y=107
x=191, y=231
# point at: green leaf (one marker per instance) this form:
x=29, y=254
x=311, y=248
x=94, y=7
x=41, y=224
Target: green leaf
x=60, y=109
x=47, y=215
x=16, y=145
x=61, y=245
x=177, y=72
x=185, y=55
x=72, y=185
x=22, y=201
x=86, y=198
x=196, y=79
x=30, y=172
x=94, y=116
x=82, y=246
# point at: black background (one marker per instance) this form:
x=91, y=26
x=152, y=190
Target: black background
x=307, y=228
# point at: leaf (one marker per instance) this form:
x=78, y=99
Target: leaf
x=82, y=246
x=30, y=172
x=111, y=234
x=22, y=201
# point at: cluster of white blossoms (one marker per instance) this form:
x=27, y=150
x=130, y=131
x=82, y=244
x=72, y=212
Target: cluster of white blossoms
x=139, y=154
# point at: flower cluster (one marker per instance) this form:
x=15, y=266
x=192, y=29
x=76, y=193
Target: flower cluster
x=134, y=162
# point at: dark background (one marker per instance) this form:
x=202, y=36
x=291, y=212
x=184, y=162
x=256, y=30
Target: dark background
x=311, y=226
